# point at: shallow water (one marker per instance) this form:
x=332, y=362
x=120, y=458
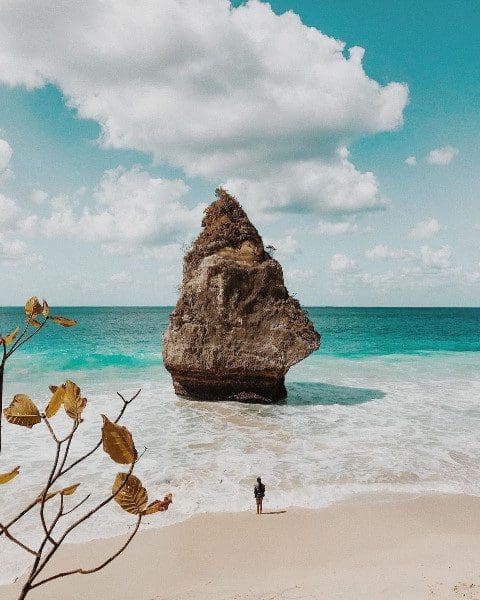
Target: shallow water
x=391, y=403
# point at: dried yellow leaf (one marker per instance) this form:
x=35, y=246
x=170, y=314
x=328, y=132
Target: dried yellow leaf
x=56, y=401
x=68, y=491
x=8, y=339
x=64, y=322
x=22, y=411
x=71, y=489
x=72, y=401
x=118, y=442
x=45, y=309
x=6, y=477
x=158, y=505
x=35, y=323
x=133, y=496
x=33, y=308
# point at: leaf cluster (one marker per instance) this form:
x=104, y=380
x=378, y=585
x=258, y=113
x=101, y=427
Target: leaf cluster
x=116, y=440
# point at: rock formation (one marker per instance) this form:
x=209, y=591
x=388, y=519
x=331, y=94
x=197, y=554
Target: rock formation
x=235, y=331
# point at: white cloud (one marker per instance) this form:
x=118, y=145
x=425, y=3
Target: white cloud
x=240, y=95
x=342, y=263
x=382, y=252
x=5, y=154
x=14, y=251
x=309, y=186
x=9, y=212
x=286, y=246
x=336, y=227
x=436, y=259
x=131, y=209
x=5, y=157
x=441, y=156
x=122, y=278
x=425, y=229
x=411, y=161
x=38, y=196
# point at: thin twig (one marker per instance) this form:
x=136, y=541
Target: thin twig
x=39, y=568
x=50, y=429
x=95, y=569
x=15, y=540
x=29, y=337
x=77, y=505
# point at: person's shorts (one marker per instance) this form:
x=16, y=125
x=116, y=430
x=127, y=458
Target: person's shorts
x=259, y=499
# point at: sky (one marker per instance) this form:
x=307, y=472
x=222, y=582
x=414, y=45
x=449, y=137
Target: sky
x=348, y=130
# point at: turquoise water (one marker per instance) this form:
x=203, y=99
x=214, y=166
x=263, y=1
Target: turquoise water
x=130, y=338
x=389, y=404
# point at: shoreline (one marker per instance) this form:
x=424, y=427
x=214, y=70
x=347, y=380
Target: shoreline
x=410, y=548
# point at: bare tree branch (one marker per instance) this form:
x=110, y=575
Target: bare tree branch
x=95, y=569
x=16, y=540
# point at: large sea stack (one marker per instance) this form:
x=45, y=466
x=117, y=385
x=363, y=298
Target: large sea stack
x=235, y=331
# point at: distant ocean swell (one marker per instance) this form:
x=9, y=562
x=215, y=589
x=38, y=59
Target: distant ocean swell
x=390, y=404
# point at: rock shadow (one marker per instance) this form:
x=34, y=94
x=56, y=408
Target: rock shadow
x=302, y=393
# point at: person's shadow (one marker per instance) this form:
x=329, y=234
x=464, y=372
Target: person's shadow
x=273, y=512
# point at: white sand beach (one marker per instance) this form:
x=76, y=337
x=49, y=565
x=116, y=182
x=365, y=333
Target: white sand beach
x=409, y=549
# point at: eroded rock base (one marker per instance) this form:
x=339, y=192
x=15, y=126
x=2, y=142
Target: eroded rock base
x=254, y=389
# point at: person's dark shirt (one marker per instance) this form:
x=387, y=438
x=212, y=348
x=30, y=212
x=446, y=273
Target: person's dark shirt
x=259, y=490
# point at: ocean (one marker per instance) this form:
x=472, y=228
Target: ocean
x=389, y=404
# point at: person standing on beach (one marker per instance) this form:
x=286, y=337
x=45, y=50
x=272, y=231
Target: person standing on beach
x=259, y=493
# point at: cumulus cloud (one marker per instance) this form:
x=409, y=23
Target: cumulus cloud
x=236, y=94
x=342, y=263
x=336, y=227
x=130, y=208
x=424, y=230
x=436, y=259
x=14, y=251
x=38, y=196
x=5, y=156
x=382, y=252
x=411, y=161
x=442, y=156
x=309, y=186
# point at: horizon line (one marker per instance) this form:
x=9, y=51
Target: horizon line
x=21, y=306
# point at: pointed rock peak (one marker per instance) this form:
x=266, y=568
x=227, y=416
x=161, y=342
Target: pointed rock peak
x=227, y=231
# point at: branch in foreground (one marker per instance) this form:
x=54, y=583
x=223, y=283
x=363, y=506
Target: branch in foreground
x=95, y=569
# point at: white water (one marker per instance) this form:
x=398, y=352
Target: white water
x=420, y=433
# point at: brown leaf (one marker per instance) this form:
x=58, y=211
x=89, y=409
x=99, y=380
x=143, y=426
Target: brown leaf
x=133, y=496
x=8, y=339
x=22, y=411
x=158, y=505
x=56, y=401
x=68, y=491
x=45, y=309
x=64, y=322
x=72, y=401
x=33, y=308
x=6, y=477
x=35, y=323
x=118, y=442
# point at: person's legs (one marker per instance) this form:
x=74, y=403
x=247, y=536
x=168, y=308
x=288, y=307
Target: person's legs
x=260, y=506
x=258, y=501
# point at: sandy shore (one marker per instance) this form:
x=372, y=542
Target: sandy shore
x=413, y=548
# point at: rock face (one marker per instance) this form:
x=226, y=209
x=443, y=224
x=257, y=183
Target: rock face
x=235, y=331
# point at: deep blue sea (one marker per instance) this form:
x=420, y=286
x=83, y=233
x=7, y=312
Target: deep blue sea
x=389, y=404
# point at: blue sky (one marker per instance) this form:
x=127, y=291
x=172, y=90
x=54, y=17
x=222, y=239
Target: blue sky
x=119, y=119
